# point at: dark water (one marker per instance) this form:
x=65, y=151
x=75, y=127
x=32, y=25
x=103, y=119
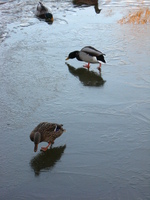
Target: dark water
x=105, y=153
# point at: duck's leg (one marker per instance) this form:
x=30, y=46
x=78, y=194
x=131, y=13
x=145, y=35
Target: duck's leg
x=51, y=145
x=87, y=66
x=45, y=148
x=99, y=67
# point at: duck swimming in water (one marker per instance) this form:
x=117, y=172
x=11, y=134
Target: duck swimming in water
x=46, y=132
x=43, y=13
x=88, y=54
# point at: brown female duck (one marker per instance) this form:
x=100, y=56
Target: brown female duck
x=46, y=132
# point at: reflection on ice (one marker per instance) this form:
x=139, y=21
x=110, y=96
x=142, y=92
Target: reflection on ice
x=46, y=160
x=87, y=78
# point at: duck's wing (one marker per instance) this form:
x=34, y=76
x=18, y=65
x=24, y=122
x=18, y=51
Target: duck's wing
x=55, y=131
x=51, y=127
x=86, y=57
x=91, y=51
x=41, y=8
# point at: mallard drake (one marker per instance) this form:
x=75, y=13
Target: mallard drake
x=88, y=54
x=43, y=13
x=46, y=132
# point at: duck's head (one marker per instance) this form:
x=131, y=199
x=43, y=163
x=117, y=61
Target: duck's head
x=72, y=55
x=37, y=139
x=49, y=18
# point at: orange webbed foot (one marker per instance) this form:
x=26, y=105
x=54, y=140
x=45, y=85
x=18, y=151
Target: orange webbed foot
x=99, y=67
x=44, y=148
x=87, y=66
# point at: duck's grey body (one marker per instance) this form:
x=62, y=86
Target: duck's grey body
x=41, y=9
x=91, y=55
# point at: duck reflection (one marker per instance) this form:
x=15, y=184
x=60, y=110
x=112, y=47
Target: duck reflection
x=46, y=160
x=87, y=78
x=88, y=3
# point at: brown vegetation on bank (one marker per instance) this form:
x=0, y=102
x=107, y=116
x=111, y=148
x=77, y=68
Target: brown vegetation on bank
x=142, y=16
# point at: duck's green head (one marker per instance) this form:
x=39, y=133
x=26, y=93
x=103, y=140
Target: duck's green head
x=49, y=18
x=72, y=55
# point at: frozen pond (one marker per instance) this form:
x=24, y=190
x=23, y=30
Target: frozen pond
x=105, y=152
